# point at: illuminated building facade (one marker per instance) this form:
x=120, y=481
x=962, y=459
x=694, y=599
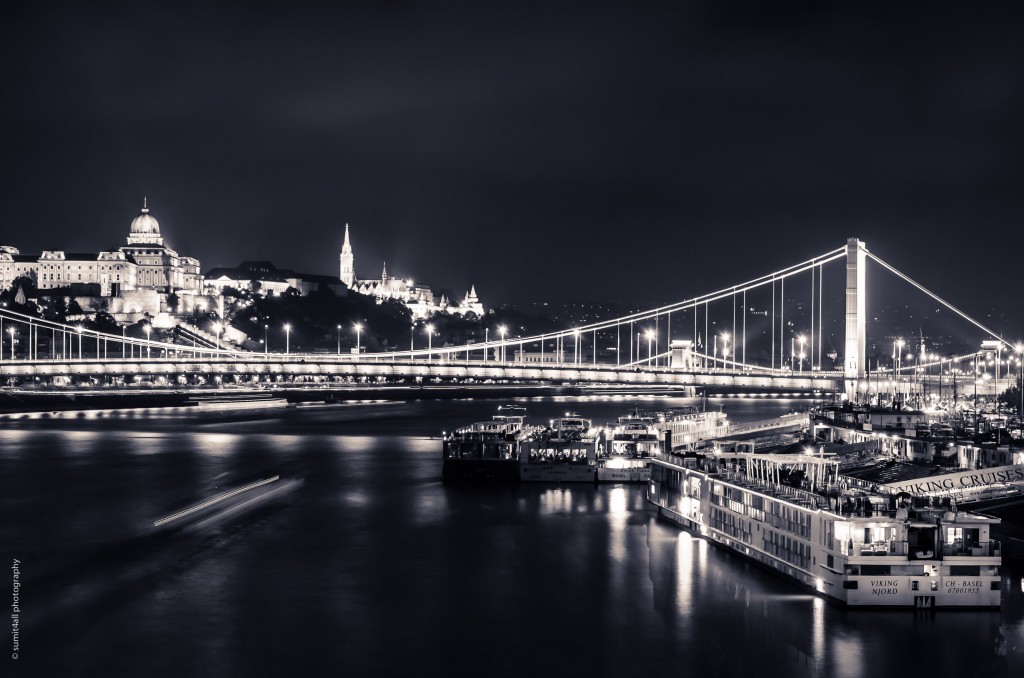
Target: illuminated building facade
x=144, y=263
x=418, y=298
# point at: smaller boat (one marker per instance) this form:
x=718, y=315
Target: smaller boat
x=626, y=455
x=485, y=450
x=563, y=452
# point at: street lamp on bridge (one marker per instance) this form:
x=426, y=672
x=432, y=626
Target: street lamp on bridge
x=216, y=327
x=650, y=340
x=359, y=328
x=803, y=340
x=10, y=330
x=429, y=327
x=77, y=329
x=266, y=341
x=725, y=347
x=147, y=338
x=287, y=338
x=501, y=333
x=339, y=339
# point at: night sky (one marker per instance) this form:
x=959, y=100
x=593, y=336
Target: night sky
x=633, y=152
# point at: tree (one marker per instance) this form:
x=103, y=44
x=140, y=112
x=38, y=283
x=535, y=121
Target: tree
x=1010, y=398
x=104, y=322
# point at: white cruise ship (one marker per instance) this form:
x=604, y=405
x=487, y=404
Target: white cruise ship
x=795, y=514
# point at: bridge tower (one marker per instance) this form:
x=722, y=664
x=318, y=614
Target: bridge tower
x=856, y=326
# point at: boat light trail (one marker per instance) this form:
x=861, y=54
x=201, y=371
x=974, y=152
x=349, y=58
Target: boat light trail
x=214, y=500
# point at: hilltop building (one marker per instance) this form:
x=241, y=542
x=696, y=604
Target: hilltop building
x=159, y=267
x=265, y=278
x=145, y=263
x=418, y=298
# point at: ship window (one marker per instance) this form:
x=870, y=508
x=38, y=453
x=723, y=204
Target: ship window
x=935, y=586
x=875, y=569
x=850, y=584
x=914, y=585
x=965, y=570
x=995, y=586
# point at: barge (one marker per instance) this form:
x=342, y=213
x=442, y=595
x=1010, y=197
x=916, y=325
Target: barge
x=485, y=450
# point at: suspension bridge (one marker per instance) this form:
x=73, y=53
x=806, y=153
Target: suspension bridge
x=740, y=338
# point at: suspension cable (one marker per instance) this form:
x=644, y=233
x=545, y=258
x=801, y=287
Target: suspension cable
x=939, y=299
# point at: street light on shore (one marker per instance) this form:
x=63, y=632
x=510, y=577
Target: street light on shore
x=359, y=329
x=1020, y=386
x=339, y=339
x=897, y=365
x=287, y=338
x=266, y=342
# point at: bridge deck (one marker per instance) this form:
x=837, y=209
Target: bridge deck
x=345, y=366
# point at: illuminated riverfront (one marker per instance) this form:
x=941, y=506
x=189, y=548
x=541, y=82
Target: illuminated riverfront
x=457, y=339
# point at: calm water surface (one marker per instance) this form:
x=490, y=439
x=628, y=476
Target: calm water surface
x=374, y=567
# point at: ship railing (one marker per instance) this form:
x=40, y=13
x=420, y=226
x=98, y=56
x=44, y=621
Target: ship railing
x=556, y=459
x=890, y=547
x=802, y=497
x=990, y=548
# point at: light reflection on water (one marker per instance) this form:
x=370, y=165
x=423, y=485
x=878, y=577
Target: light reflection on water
x=378, y=567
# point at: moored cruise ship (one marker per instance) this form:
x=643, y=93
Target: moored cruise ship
x=565, y=451
x=855, y=546
x=626, y=456
x=486, y=450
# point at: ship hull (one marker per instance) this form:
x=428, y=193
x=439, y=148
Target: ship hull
x=558, y=473
x=635, y=474
x=480, y=470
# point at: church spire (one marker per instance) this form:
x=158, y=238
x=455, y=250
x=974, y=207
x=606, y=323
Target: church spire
x=384, y=275
x=347, y=262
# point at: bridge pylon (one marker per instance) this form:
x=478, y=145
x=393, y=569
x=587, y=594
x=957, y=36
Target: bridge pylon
x=856, y=316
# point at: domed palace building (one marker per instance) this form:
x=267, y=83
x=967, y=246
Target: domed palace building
x=145, y=263
x=158, y=266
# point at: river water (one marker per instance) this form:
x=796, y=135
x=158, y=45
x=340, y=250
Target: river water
x=375, y=568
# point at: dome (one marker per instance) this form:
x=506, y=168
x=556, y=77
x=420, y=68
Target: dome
x=145, y=223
